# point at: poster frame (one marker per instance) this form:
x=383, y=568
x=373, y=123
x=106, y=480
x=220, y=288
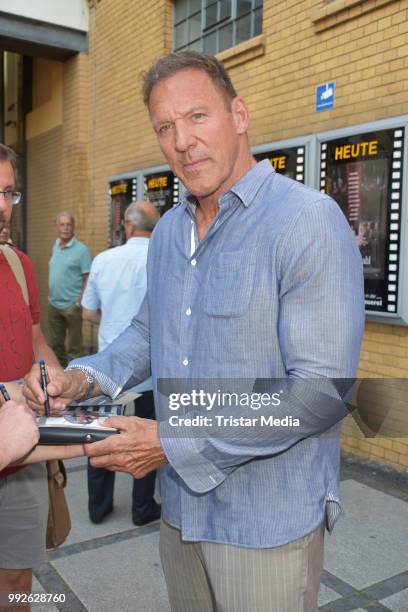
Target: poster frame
x=124, y=176
x=400, y=317
x=154, y=170
x=139, y=176
x=308, y=141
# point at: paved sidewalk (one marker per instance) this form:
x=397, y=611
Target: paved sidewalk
x=115, y=566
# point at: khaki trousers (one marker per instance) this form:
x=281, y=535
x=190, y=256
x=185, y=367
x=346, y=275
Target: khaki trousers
x=209, y=577
x=65, y=328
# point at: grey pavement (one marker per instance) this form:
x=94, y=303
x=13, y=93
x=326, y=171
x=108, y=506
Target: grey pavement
x=115, y=565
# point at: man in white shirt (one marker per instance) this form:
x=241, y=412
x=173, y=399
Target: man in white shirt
x=115, y=290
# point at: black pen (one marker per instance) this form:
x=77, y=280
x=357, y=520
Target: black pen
x=4, y=393
x=44, y=387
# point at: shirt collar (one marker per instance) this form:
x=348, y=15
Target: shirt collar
x=69, y=244
x=137, y=240
x=245, y=189
x=248, y=186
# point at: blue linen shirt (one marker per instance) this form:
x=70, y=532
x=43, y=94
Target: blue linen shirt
x=116, y=286
x=66, y=269
x=274, y=290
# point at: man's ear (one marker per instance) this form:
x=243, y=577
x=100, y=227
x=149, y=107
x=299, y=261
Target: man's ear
x=240, y=114
x=128, y=229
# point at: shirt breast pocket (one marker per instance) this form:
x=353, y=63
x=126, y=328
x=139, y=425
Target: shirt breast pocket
x=230, y=284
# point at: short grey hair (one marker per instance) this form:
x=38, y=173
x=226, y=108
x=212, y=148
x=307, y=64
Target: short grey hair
x=64, y=213
x=143, y=216
x=169, y=65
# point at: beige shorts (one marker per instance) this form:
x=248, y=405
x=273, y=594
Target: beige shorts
x=23, y=517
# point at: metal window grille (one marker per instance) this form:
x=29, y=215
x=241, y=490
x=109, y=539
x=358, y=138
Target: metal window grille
x=214, y=25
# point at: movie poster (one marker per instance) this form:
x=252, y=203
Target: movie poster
x=162, y=190
x=289, y=161
x=363, y=173
x=122, y=193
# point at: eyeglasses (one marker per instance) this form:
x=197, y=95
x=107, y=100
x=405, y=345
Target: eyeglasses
x=12, y=197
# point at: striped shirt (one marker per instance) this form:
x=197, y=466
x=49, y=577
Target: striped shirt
x=274, y=292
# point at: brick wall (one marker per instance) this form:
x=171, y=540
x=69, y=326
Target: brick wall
x=44, y=182
x=125, y=37
x=384, y=355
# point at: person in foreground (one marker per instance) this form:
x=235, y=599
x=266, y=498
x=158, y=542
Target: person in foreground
x=19, y=435
x=23, y=491
x=251, y=276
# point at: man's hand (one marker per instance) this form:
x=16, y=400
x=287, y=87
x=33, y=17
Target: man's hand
x=18, y=432
x=63, y=388
x=137, y=450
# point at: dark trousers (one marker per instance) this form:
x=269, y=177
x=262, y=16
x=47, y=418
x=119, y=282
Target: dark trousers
x=65, y=329
x=101, y=482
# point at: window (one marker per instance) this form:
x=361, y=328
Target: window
x=214, y=25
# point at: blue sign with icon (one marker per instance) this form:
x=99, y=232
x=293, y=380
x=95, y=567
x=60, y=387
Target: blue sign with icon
x=325, y=96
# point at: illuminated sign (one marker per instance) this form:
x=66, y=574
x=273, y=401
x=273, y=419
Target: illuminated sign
x=157, y=183
x=289, y=161
x=358, y=150
x=118, y=189
x=363, y=173
x=279, y=163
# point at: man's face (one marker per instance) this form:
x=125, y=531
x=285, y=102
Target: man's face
x=65, y=228
x=197, y=132
x=6, y=184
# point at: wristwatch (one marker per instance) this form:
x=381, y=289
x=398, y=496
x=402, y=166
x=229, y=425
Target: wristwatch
x=90, y=380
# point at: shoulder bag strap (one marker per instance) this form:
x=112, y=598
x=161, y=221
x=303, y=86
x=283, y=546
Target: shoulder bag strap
x=16, y=266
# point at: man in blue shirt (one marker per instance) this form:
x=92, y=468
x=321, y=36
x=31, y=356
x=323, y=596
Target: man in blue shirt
x=68, y=271
x=115, y=289
x=254, y=283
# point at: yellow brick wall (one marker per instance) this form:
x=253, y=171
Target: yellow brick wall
x=125, y=37
x=106, y=131
x=44, y=174
x=384, y=354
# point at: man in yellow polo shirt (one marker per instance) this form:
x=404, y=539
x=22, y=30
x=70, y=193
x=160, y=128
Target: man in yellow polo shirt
x=68, y=272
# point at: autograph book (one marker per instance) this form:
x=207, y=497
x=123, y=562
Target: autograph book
x=82, y=423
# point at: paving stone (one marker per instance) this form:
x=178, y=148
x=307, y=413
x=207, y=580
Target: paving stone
x=77, y=496
x=397, y=602
x=107, y=574
x=38, y=588
x=367, y=544
x=125, y=576
x=327, y=595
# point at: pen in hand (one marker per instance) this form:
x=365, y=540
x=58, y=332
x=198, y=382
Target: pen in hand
x=44, y=387
x=4, y=393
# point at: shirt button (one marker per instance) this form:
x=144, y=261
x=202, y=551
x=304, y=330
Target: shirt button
x=185, y=361
x=194, y=262
x=188, y=312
